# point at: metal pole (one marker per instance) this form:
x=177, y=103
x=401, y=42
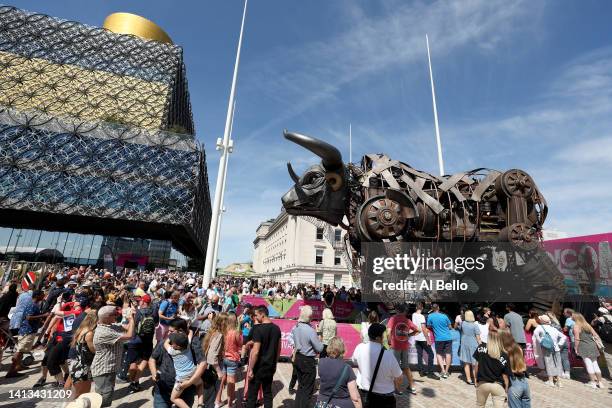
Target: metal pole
x=225, y=150
x=9, y=241
x=90, y=248
x=217, y=238
x=17, y=240
x=64, y=250
x=350, y=143
x=435, y=110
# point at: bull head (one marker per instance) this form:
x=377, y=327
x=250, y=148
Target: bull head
x=321, y=191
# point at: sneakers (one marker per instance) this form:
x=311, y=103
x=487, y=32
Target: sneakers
x=41, y=381
x=550, y=383
x=134, y=387
x=396, y=392
x=445, y=375
x=433, y=376
x=591, y=384
x=412, y=390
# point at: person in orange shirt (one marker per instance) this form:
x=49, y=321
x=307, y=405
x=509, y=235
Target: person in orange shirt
x=231, y=361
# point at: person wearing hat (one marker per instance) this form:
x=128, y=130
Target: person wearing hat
x=547, y=345
x=378, y=391
x=140, y=346
x=108, y=342
x=87, y=400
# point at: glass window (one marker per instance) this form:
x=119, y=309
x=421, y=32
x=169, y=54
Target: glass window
x=337, y=258
x=337, y=234
x=319, y=257
x=318, y=278
x=319, y=233
x=338, y=280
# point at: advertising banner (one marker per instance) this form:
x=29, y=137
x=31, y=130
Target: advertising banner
x=290, y=308
x=585, y=262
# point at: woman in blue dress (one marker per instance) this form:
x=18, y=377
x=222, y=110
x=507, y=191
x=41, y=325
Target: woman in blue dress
x=470, y=338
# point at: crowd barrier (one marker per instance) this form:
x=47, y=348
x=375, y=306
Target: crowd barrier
x=351, y=335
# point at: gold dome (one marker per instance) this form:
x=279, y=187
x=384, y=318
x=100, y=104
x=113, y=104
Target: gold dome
x=127, y=23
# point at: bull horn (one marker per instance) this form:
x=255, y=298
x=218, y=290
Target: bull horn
x=330, y=156
x=292, y=174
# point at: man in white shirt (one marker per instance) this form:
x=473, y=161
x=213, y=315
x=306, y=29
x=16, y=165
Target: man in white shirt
x=422, y=342
x=389, y=375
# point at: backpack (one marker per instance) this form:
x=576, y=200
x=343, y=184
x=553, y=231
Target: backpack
x=547, y=342
x=146, y=326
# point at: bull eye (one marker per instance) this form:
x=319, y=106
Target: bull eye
x=312, y=179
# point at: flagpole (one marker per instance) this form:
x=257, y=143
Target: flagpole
x=350, y=143
x=217, y=239
x=225, y=147
x=435, y=110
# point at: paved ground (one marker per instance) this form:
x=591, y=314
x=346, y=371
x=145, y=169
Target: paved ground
x=451, y=393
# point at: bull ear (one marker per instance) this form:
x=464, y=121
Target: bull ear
x=292, y=174
x=330, y=156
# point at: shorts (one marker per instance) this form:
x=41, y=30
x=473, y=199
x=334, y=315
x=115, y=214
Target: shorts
x=230, y=367
x=25, y=343
x=183, y=378
x=139, y=351
x=444, y=347
x=402, y=358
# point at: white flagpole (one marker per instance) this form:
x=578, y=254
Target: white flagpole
x=435, y=110
x=224, y=146
x=350, y=143
x=217, y=239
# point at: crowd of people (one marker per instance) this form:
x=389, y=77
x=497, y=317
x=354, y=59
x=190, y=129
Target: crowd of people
x=196, y=343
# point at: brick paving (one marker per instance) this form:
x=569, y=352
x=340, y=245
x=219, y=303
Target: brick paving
x=450, y=393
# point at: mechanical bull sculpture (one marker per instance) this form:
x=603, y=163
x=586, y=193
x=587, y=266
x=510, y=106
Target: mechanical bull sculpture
x=388, y=201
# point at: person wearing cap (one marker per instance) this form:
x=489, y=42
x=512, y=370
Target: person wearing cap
x=108, y=342
x=551, y=357
x=140, y=346
x=389, y=375
x=87, y=400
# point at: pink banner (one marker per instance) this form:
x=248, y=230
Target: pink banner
x=340, y=309
x=348, y=332
x=585, y=262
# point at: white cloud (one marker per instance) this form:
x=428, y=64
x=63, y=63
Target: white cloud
x=305, y=76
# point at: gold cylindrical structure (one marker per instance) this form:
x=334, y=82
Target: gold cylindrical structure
x=127, y=23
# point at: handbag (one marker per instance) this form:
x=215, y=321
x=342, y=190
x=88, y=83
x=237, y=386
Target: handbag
x=367, y=403
x=210, y=376
x=339, y=382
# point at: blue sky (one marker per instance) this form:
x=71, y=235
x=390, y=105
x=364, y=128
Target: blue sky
x=524, y=84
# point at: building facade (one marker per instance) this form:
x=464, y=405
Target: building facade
x=96, y=132
x=292, y=249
